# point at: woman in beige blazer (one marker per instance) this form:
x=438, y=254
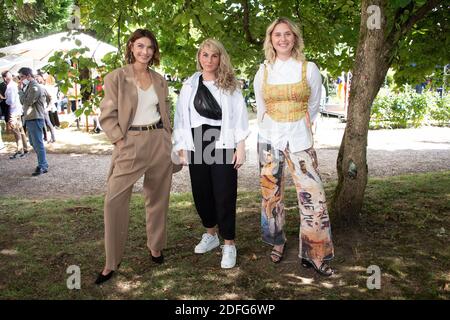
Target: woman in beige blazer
x=135, y=117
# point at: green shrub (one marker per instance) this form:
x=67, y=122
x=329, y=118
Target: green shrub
x=379, y=113
x=408, y=109
x=439, y=111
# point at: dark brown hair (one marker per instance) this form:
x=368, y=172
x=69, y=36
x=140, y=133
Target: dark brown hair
x=141, y=33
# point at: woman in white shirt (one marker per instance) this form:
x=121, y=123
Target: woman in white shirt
x=287, y=92
x=210, y=129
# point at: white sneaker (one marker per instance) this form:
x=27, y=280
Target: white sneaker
x=207, y=243
x=229, y=253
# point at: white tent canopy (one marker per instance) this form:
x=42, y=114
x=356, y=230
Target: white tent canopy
x=10, y=61
x=35, y=53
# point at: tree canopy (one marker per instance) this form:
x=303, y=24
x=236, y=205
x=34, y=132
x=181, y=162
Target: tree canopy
x=22, y=20
x=330, y=29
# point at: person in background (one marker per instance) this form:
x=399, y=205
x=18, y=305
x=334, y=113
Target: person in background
x=33, y=101
x=95, y=119
x=52, y=89
x=2, y=144
x=16, y=111
x=74, y=100
x=61, y=103
x=49, y=105
x=4, y=108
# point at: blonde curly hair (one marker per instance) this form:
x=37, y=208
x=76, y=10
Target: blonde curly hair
x=225, y=78
x=297, y=50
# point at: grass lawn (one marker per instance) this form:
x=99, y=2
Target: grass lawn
x=405, y=231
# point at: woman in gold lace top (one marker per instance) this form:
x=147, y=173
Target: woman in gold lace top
x=287, y=91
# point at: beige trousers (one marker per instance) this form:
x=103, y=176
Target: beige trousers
x=144, y=153
x=19, y=133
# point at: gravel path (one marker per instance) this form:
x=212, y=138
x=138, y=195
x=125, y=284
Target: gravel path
x=390, y=152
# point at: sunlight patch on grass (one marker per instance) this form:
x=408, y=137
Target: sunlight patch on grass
x=230, y=296
x=9, y=252
x=303, y=280
x=327, y=285
x=212, y=277
x=354, y=269
x=273, y=285
x=164, y=272
x=184, y=204
x=233, y=273
x=341, y=283
x=126, y=286
x=187, y=297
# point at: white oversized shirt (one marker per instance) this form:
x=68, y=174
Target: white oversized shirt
x=12, y=99
x=234, y=123
x=281, y=134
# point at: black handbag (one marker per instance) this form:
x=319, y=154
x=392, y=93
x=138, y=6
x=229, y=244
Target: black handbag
x=205, y=103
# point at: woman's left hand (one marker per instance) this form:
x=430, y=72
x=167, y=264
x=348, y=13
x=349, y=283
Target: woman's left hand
x=239, y=155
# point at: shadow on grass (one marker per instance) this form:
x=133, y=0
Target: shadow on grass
x=404, y=231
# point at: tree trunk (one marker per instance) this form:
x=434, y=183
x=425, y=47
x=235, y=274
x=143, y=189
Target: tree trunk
x=370, y=68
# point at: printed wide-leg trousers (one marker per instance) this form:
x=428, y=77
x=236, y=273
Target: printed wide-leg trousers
x=315, y=233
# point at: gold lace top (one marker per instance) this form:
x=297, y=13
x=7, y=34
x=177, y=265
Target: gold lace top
x=287, y=102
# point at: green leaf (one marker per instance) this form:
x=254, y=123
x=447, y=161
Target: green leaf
x=79, y=112
x=177, y=19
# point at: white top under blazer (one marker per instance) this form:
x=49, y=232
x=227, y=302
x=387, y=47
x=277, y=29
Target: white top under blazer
x=146, y=112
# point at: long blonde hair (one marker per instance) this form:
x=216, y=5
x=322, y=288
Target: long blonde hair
x=297, y=50
x=225, y=78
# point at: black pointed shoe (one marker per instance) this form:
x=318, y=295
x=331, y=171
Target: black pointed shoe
x=103, y=278
x=158, y=260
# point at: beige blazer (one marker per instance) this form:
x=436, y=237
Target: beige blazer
x=119, y=104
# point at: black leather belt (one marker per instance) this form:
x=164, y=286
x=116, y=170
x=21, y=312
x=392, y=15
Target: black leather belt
x=158, y=125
